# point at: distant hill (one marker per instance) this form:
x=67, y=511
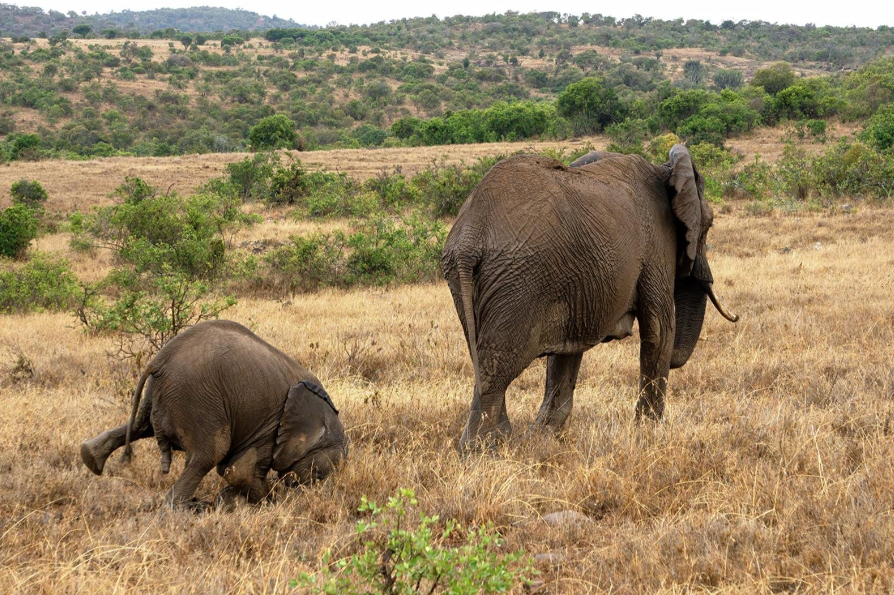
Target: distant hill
x=34, y=21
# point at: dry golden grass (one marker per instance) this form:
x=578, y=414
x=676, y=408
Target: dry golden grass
x=772, y=471
x=80, y=185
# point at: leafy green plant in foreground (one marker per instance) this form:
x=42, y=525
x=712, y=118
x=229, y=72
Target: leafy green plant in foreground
x=402, y=555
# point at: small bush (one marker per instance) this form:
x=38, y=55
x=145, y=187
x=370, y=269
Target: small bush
x=40, y=284
x=394, y=190
x=18, y=226
x=446, y=187
x=28, y=193
x=273, y=132
x=250, y=178
x=382, y=250
x=400, y=554
x=879, y=130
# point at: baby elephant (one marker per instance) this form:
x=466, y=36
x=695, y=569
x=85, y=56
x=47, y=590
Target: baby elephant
x=230, y=400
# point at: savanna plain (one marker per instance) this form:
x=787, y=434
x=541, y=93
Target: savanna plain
x=771, y=471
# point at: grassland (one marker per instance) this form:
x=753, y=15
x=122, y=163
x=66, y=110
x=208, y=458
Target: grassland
x=771, y=472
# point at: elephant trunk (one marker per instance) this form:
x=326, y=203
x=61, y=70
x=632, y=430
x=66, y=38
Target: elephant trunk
x=690, y=301
x=691, y=295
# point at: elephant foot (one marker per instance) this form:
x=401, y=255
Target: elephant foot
x=484, y=442
x=647, y=411
x=94, y=454
x=226, y=499
x=192, y=505
x=552, y=424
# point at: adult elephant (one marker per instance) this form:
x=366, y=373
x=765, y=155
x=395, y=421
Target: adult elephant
x=546, y=260
x=232, y=401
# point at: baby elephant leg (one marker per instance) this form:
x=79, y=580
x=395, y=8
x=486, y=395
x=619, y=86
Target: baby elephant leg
x=246, y=480
x=96, y=451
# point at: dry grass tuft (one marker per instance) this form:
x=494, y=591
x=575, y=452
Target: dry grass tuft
x=772, y=471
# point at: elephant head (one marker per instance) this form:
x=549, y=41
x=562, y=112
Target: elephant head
x=311, y=441
x=694, y=283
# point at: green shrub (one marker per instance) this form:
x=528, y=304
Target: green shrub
x=628, y=136
x=879, y=130
x=151, y=231
x=169, y=252
x=149, y=308
x=382, y=250
x=307, y=263
x=250, y=178
x=794, y=174
x=728, y=79
x=273, y=132
x=23, y=146
x=715, y=164
x=815, y=129
x=755, y=180
x=28, y=193
x=18, y=226
x=401, y=554
x=369, y=135
x=42, y=283
x=590, y=105
x=393, y=190
x=446, y=187
x=774, y=78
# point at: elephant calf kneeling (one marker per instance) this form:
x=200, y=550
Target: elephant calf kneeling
x=234, y=402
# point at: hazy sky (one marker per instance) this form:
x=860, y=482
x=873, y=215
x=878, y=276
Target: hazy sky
x=862, y=13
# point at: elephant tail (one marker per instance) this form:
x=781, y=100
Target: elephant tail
x=137, y=394
x=467, y=291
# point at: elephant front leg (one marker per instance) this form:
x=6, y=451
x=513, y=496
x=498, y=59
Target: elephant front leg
x=247, y=479
x=561, y=378
x=656, y=346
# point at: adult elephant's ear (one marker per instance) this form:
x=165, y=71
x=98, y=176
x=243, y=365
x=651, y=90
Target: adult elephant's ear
x=304, y=425
x=687, y=205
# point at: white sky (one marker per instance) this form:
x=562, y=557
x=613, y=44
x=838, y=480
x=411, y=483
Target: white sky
x=863, y=13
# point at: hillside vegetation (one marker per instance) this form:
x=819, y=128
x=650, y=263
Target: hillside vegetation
x=101, y=92
x=33, y=21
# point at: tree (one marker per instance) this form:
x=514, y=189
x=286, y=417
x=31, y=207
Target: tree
x=186, y=40
x=774, y=78
x=728, y=79
x=83, y=30
x=590, y=105
x=273, y=132
x=694, y=71
x=18, y=226
x=879, y=130
x=28, y=193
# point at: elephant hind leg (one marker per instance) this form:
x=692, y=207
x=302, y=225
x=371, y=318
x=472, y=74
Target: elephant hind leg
x=488, y=422
x=558, y=398
x=96, y=451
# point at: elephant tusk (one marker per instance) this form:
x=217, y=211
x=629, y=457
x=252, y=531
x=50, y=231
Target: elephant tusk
x=709, y=288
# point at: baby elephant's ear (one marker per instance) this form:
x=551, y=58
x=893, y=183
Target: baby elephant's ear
x=303, y=426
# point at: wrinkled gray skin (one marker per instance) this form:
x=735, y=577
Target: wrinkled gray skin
x=546, y=260
x=230, y=401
